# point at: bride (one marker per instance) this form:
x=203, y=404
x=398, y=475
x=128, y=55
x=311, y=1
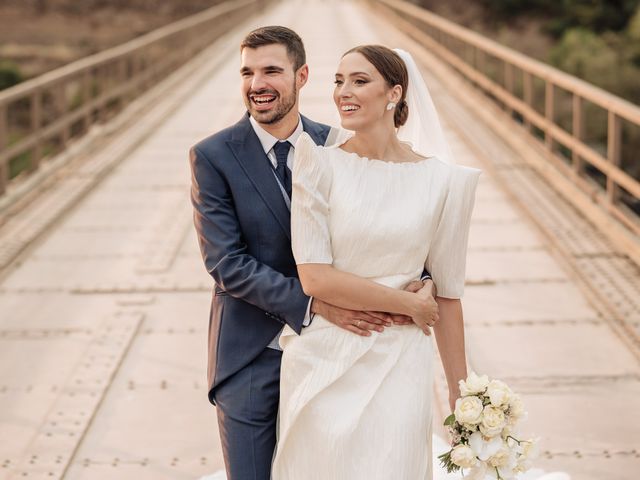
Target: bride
x=367, y=216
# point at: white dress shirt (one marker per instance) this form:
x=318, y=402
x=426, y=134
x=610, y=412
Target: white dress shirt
x=268, y=141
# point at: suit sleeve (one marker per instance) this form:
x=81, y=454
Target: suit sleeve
x=225, y=253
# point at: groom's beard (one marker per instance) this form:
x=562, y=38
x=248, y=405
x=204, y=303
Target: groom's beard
x=282, y=108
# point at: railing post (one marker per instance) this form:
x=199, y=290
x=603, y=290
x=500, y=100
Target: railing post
x=129, y=78
x=614, y=139
x=508, y=82
x=468, y=53
x=480, y=62
x=577, y=130
x=63, y=108
x=103, y=80
x=87, y=98
x=122, y=80
x=527, y=92
x=36, y=125
x=548, y=113
x=140, y=71
x=4, y=140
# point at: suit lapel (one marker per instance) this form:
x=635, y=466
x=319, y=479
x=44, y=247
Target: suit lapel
x=247, y=149
x=248, y=152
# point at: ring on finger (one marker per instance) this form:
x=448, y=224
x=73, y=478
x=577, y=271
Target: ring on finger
x=358, y=323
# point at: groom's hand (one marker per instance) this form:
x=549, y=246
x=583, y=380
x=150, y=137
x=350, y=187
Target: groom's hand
x=360, y=323
x=417, y=285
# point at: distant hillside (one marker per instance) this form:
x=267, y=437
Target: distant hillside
x=166, y=7
x=39, y=35
x=596, y=40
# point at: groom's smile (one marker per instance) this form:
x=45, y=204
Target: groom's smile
x=263, y=100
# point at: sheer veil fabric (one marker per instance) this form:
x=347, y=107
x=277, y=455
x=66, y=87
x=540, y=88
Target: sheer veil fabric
x=422, y=129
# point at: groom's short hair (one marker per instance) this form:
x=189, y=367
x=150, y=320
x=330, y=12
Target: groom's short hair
x=278, y=35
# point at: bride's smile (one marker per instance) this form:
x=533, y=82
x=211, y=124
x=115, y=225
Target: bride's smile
x=349, y=108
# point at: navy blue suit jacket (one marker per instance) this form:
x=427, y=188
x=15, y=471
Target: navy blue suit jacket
x=243, y=227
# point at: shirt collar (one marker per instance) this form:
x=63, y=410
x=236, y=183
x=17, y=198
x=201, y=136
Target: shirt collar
x=268, y=141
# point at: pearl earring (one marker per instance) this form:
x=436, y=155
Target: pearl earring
x=391, y=106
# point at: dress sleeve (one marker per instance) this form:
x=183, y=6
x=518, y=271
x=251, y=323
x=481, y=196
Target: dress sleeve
x=446, y=260
x=311, y=182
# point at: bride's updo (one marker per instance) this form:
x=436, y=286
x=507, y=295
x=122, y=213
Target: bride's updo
x=393, y=70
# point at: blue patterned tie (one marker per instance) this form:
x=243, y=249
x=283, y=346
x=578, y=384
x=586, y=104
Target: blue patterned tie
x=281, y=150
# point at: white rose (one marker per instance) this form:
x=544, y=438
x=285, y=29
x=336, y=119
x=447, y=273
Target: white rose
x=468, y=410
x=500, y=458
x=505, y=473
x=504, y=461
x=499, y=393
x=479, y=472
x=528, y=450
x=523, y=465
x=511, y=428
x=484, y=447
x=473, y=384
x=493, y=421
x=516, y=407
x=463, y=456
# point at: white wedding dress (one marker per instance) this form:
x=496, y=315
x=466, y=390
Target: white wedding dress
x=352, y=407
x=360, y=408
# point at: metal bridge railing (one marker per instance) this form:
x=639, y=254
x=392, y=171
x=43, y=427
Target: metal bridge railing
x=40, y=116
x=592, y=136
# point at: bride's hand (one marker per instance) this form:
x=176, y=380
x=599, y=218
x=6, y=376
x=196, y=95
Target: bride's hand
x=425, y=309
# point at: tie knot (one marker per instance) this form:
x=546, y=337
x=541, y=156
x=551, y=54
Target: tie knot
x=281, y=150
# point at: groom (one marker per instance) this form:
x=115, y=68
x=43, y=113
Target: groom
x=241, y=193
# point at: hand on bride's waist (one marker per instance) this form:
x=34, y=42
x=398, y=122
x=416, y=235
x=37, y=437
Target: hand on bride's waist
x=364, y=322
x=355, y=321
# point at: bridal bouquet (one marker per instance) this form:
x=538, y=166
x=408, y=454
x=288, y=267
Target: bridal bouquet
x=484, y=429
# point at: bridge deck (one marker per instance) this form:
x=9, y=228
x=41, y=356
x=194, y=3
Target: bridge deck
x=103, y=328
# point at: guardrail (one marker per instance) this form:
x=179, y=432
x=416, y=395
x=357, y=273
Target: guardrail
x=552, y=105
x=40, y=116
